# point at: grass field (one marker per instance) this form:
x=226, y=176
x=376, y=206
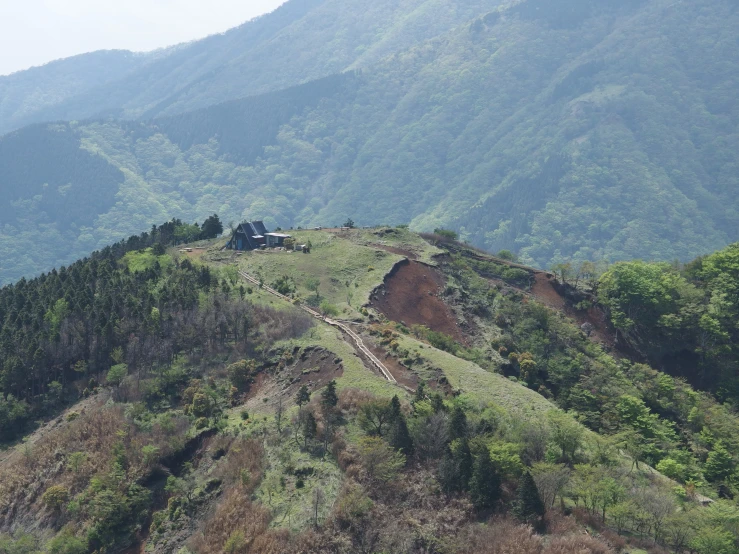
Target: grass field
x=477, y=384
x=347, y=265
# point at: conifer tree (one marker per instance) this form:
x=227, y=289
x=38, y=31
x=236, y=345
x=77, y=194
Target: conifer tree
x=329, y=398
x=528, y=506
x=455, y=470
x=485, y=483
x=310, y=428
x=719, y=464
x=303, y=396
x=399, y=437
x=458, y=424
x=395, y=411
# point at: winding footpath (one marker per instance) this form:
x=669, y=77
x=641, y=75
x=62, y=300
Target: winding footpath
x=345, y=329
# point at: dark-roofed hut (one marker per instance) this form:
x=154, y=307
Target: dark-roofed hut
x=248, y=236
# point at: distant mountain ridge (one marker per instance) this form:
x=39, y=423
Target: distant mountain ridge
x=300, y=41
x=592, y=131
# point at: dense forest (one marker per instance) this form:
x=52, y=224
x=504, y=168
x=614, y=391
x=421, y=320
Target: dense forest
x=593, y=132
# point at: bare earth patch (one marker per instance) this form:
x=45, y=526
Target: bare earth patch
x=411, y=295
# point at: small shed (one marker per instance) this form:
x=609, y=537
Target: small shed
x=274, y=240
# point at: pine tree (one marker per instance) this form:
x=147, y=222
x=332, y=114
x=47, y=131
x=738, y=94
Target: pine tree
x=399, y=437
x=395, y=411
x=485, y=483
x=528, y=506
x=456, y=468
x=437, y=403
x=465, y=462
x=310, y=428
x=458, y=424
x=303, y=396
x=329, y=398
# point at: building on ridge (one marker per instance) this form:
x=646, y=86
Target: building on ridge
x=252, y=235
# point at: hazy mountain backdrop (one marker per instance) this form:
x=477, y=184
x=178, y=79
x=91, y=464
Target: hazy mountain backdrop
x=558, y=129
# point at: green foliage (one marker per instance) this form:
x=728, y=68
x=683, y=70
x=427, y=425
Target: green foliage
x=381, y=462
x=55, y=497
x=241, y=374
x=329, y=397
x=713, y=541
x=329, y=309
x=284, y=285
x=566, y=434
x=442, y=342
x=13, y=416
x=528, y=506
x=303, y=396
x=446, y=233
x=19, y=543
x=67, y=543
x=720, y=464
x=116, y=374
x=638, y=294
x=236, y=543
x=376, y=417
x=399, y=436
x=484, y=483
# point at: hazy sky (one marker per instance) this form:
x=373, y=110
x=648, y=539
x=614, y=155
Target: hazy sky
x=33, y=32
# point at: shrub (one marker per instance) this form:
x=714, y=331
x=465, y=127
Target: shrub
x=329, y=309
x=67, y=543
x=13, y=415
x=442, y=342
x=446, y=233
x=236, y=543
x=116, y=374
x=240, y=374
x=55, y=497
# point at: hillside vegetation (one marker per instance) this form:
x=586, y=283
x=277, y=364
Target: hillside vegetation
x=183, y=409
x=599, y=130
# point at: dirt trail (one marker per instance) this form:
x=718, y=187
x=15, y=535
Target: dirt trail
x=358, y=343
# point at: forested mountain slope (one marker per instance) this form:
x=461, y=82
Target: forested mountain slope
x=587, y=131
x=171, y=406
x=300, y=41
x=25, y=93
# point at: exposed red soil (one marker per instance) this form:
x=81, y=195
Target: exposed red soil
x=411, y=295
x=543, y=290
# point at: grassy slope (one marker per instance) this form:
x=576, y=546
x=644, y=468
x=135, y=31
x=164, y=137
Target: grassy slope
x=336, y=261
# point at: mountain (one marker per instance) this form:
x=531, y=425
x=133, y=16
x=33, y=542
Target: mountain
x=600, y=131
x=383, y=392
x=300, y=41
x=26, y=93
